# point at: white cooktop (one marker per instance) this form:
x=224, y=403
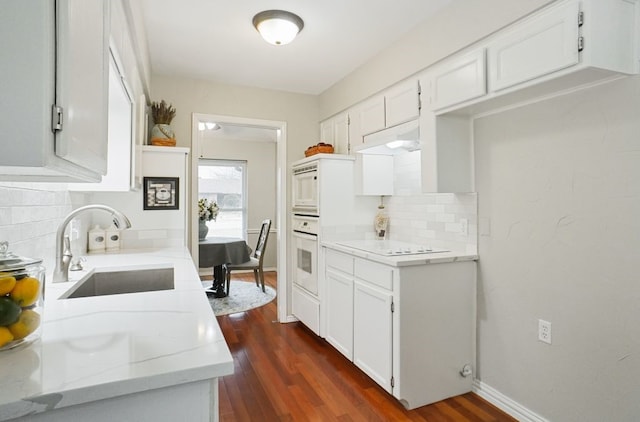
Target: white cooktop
x=389, y=247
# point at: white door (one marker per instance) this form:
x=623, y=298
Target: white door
x=82, y=82
x=458, y=79
x=341, y=134
x=340, y=312
x=535, y=47
x=372, y=115
x=372, y=335
x=326, y=131
x=402, y=102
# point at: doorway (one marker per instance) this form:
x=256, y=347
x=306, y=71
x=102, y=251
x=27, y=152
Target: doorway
x=206, y=127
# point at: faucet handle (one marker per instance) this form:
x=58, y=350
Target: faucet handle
x=67, y=247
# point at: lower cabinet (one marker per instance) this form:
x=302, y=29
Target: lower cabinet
x=372, y=336
x=340, y=312
x=411, y=329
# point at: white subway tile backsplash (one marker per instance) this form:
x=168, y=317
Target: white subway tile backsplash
x=30, y=215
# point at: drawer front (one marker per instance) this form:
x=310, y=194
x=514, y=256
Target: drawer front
x=379, y=274
x=339, y=261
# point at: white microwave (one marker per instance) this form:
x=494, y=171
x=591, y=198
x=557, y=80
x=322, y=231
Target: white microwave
x=305, y=189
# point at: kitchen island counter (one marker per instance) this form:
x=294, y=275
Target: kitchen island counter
x=127, y=354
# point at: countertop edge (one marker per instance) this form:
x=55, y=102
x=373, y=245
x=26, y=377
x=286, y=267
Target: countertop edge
x=406, y=260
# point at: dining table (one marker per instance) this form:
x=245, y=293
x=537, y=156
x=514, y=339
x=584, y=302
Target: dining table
x=215, y=251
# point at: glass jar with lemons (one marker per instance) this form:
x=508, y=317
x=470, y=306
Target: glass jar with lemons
x=21, y=298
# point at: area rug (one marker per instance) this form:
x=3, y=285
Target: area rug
x=244, y=295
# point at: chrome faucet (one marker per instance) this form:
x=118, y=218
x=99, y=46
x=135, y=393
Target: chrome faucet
x=63, y=250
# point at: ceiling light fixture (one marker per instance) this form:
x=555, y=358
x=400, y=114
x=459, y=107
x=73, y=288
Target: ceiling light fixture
x=278, y=27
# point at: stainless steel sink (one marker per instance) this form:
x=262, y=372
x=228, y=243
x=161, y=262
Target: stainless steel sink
x=115, y=282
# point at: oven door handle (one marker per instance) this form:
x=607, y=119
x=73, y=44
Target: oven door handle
x=303, y=235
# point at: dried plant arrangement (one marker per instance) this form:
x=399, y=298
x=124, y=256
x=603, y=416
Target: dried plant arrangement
x=162, y=112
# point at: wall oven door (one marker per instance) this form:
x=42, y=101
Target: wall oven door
x=306, y=261
x=305, y=189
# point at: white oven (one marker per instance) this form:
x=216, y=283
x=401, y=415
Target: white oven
x=305, y=302
x=305, y=241
x=305, y=189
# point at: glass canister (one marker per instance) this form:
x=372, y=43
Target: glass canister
x=21, y=298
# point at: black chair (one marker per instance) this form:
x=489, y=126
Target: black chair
x=255, y=262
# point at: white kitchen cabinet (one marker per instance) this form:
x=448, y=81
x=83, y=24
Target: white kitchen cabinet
x=339, y=309
x=402, y=102
x=119, y=176
x=458, y=79
x=54, y=82
x=326, y=131
x=371, y=115
x=542, y=44
x=397, y=314
x=335, y=131
x=372, y=332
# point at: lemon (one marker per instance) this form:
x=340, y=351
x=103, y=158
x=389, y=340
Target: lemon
x=25, y=293
x=7, y=283
x=26, y=324
x=5, y=336
x=9, y=311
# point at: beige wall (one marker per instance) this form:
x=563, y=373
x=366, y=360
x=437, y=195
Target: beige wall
x=451, y=29
x=299, y=111
x=559, y=198
x=261, y=183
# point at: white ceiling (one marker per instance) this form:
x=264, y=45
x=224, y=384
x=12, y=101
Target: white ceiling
x=215, y=39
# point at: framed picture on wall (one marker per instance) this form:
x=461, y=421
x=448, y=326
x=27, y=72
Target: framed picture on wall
x=160, y=193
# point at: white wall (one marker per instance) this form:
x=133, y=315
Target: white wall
x=261, y=183
x=559, y=201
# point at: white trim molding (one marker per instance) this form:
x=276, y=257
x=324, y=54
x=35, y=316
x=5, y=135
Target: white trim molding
x=505, y=403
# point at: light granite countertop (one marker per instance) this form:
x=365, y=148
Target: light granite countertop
x=404, y=260
x=101, y=347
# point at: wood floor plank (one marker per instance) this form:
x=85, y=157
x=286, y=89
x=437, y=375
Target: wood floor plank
x=284, y=372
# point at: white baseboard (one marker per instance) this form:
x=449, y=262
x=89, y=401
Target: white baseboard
x=505, y=403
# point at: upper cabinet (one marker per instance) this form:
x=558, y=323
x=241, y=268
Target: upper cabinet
x=335, y=131
x=567, y=45
x=54, y=81
x=543, y=44
x=371, y=115
x=119, y=169
x=402, y=102
x=127, y=114
x=459, y=79
x=398, y=104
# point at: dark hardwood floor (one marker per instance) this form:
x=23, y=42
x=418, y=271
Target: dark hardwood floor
x=284, y=372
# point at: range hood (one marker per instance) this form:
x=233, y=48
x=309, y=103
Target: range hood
x=391, y=141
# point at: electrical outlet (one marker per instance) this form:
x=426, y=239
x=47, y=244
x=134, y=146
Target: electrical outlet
x=544, y=331
x=464, y=226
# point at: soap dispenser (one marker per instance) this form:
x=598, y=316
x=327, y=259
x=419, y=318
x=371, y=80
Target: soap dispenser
x=97, y=242
x=113, y=238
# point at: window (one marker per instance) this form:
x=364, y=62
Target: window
x=225, y=182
